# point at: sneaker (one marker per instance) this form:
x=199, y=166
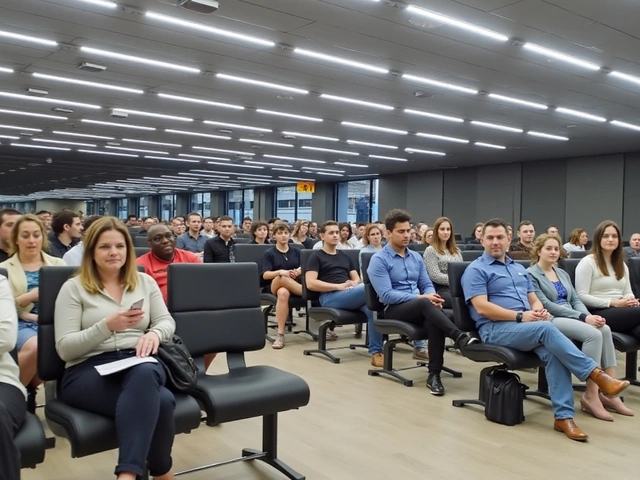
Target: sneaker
x=377, y=360
x=464, y=339
x=435, y=384
x=278, y=343
x=420, y=353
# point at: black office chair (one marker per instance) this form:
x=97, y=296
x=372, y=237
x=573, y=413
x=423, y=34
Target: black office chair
x=624, y=343
x=140, y=241
x=88, y=433
x=231, y=321
x=418, y=247
x=408, y=332
x=141, y=251
x=331, y=317
x=506, y=358
x=579, y=254
x=471, y=255
x=255, y=254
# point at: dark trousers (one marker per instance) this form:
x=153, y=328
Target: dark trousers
x=13, y=408
x=422, y=312
x=622, y=319
x=139, y=402
x=445, y=293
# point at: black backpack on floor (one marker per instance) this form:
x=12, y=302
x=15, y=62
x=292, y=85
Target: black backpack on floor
x=504, y=397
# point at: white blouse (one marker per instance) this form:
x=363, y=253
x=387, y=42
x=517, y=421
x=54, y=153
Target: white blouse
x=597, y=290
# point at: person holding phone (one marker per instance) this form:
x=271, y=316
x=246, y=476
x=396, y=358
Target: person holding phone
x=109, y=312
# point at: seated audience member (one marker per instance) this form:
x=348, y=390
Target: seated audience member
x=577, y=240
x=526, y=235
x=555, y=291
x=413, y=236
x=45, y=218
x=476, y=235
x=400, y=278
x=177, y=226
x=280, y=275
x=507, y=312
x=313, y=231
x=95, y=324
x=553, y=230
x=270, y=224
x=13, y=407
x=427, y=237
x=356, y=240
x=147, y=223
x=603, y=284
x=73, y=257
x=207, y=229
x=443, y=249
x=132, y=220
x=221, y=249
x=632, y=251
x=372, y=240
x=422, y=227
x=334, y=275
x=29, y=242
x=66, y=230
x=345, y=235
x=246, y=225
x=193, y=240
x=8, y=217
x=259, y=233
x=299, y=235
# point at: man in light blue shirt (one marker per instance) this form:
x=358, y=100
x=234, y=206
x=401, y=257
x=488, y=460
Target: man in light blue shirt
x=193, y=240
x=507, y=312
x=400, y=278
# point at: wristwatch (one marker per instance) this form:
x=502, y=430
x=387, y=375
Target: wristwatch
x=518, y=317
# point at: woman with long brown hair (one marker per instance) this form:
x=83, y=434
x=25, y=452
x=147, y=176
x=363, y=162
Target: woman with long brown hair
x=443, y=249
x=577, y=240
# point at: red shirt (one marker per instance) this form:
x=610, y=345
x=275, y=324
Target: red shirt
x=157, y=268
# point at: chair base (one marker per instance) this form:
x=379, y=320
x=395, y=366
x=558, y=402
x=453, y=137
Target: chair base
x=322, y=344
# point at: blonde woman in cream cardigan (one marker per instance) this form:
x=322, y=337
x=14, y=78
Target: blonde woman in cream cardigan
x=28, y=243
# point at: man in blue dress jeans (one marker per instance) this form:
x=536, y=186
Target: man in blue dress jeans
x=507, y=312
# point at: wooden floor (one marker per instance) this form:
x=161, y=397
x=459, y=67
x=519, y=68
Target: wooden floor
x=362, y=427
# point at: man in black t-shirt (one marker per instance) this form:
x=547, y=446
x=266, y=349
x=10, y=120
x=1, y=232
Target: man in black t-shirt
x=333, y=274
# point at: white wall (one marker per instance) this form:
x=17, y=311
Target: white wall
x=54, y=205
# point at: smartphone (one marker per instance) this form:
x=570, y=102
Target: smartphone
x=137, y=305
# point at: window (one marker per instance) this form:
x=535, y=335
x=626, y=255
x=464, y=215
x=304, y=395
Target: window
x=206, y=204
x=102, y=207
x=375, y=215
x=122, y=208
x=235, y=205
x=90, y=207
x=286, y=203
x=248, y=204
x=167, y=204
x=357, y=201
x=143, y=207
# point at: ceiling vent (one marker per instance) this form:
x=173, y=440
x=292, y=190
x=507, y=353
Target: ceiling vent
x=198, y=6
x=37, y=91
x=92, y=67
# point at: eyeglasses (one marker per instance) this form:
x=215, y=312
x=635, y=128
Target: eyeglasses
x=160, y=238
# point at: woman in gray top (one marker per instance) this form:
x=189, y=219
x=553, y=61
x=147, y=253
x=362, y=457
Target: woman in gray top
x=555, y=291
x=112, y=312
x=443, y=249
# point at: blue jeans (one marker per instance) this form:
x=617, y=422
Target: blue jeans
x=355, y=299
x=560, y=356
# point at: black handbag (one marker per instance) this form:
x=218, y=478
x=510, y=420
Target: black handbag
x=504, y=397
x=182, y=372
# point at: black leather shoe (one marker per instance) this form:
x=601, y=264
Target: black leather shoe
x=465, y=339
x=435, y=384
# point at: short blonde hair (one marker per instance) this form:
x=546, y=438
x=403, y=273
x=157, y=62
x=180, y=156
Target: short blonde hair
x=88, y=273
x=15, y=231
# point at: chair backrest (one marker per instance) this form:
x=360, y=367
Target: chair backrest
x=141, y=251
x=519, y=255
x=471, y=255
x=579, y=254
x=50, y=365
x=373, y=301
x=475, y=246
x=569, y=265
x=252, y=253
x=216, y=307
x=418, y=247
x=634, y=275
x=457, y=237
x=241, y=240
x=242, y=235
x=524, y=263
x=140, y=241
x=461, y=316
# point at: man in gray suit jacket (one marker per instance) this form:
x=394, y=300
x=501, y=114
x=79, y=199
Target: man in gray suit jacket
x=633, y=250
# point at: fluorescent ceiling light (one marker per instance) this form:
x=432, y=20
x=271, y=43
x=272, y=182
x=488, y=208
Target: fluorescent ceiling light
x=136, y=150
x=240, y=127
x=83, y=135
x=41, y=147
x=121, y=125
x=437, y=83
x=631, y=126
x=251, y=162
x=202, y=175
x=200, y=101
x=329, y=174
x=323, y=169
x=369, y=144
x=27, y=38
x=329, y=150
x=86, y=83
x=196, y=134
x=288, y=115
x=625, y=76
x=532, y=47
x=374, y=128
x=496, y=126
x=442, y=137
x=260, y=83
x=342, y=61
x=100, y=3
x=141, y=60
x=203, y=157
x=547, y=135
x=172, y=159
x=299, y=179
x=6, y=70
x=24, y=129
x=490, y=145
x=383, y=157
x=77, y=144
x=58, y=101
x=238, y=165
x=517, y=101
x=9, y=137
x=146, y=142
x=357, y=165
x=263, y=142
x=206, y=28
x=316, y=137
x=29, y=114
x=294, y=159
x=235, y=152
x=458, y=23
x=426, y=152
x=238, y=173
x=112, y=154
x=286, y=170
x=579, y=114
x=155, y=115
x=356, y=102
x=435, y=116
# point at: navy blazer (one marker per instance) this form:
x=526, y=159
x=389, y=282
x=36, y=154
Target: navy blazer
x=548, y=295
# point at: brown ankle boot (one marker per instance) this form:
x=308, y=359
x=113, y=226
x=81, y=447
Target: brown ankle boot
x=608, y=385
